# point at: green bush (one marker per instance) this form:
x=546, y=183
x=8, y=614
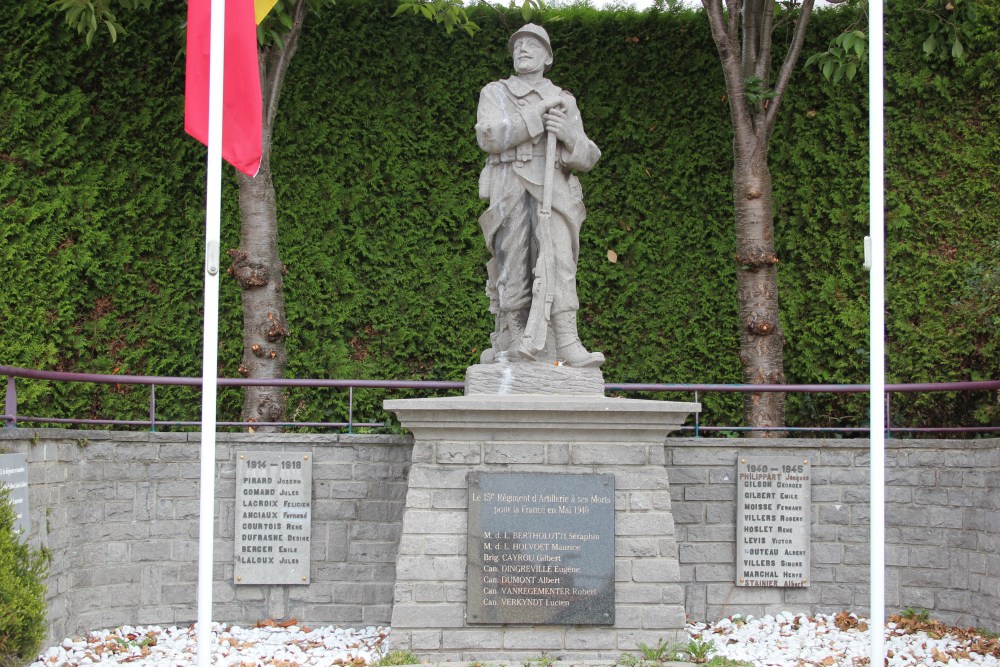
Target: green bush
x=22, y=592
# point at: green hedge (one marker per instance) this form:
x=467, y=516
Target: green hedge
x=375, y=167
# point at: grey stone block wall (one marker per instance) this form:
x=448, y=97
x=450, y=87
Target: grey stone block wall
x=120, y=512
x=942, y=527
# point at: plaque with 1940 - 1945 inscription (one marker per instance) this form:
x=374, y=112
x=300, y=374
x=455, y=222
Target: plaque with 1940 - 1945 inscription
x=541, y=549
x=773, y=494
x=273, y=517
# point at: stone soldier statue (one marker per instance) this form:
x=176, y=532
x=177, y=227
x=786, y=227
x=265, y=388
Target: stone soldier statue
x=533, y=132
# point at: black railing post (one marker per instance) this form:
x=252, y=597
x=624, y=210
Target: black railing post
x=697, y=421
x=350, y=409
x=888, y=414
x=10, y=403
x=152, y=408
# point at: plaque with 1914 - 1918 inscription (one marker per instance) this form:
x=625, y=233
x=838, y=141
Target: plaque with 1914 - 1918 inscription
x=773, y=495
x=273, y=517
x=541, y=549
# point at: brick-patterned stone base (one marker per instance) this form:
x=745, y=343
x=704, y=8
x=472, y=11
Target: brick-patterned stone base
x=110, y=507
x=592, y=435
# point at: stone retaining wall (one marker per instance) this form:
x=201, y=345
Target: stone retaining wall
x=120, y=513
x=942, y=527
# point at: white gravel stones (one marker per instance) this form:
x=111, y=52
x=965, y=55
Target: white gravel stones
x=272, y=646
x=783, y=640
x=786, y=640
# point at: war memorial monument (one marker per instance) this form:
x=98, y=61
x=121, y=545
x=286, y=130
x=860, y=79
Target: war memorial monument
x=538, y=511
x=532, y=515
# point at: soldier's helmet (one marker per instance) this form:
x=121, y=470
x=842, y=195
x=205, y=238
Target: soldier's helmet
x=535, y=31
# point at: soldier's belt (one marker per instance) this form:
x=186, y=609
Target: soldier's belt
x=510, y=156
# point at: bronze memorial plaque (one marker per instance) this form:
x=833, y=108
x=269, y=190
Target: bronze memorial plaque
x=541, y=548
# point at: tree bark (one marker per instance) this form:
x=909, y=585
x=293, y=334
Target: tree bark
x=258, y=271
x=742, y=31
x=761, y=338
x=255, y=265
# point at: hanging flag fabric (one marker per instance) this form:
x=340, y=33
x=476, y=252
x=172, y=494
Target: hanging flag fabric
x=241, y=97
x=261, y=9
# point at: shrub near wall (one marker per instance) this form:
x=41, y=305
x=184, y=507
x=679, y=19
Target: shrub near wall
x=376, y=167
x=22, y=591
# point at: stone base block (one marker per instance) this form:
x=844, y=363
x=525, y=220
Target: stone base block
x=519, y=433
x=533, y=377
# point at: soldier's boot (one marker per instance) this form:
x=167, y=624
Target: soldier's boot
x=569, y=349
x=507, y=339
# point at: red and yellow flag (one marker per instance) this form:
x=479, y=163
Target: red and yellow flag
x=242, y=132
x=262, y=7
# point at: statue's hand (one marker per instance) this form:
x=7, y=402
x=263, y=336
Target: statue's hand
x=546, y=104
x=566, y=127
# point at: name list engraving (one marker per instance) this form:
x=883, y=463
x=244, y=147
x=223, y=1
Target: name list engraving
x=541, y=548
x=273, y=517
x=14, y=476
x=772, y=521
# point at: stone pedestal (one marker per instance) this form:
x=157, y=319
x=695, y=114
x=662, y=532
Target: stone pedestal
x=533, y=378
x=576, y=434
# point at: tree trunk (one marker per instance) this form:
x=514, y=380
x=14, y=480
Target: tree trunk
x=761, y=339
x=255, y=264
x=742, y=31
x=259, y=273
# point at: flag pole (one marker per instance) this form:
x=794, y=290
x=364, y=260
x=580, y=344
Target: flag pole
x=210, y=349
x=876, y=176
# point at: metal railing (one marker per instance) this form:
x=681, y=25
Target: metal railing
x=11, y=417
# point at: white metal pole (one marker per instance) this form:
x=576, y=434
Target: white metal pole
x=210, y=349
x=876, y=175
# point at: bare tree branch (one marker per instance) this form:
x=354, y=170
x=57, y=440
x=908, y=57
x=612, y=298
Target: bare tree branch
x=763, y=68
x=727, y=44
x=276, y=64
x=781, y=84
x=751, y=35
x=720, y=33
x=734, y=8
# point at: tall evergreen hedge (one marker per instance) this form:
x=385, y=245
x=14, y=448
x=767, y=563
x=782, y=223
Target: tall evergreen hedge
x=376, y=168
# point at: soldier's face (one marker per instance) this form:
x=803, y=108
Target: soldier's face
x=530, y=55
